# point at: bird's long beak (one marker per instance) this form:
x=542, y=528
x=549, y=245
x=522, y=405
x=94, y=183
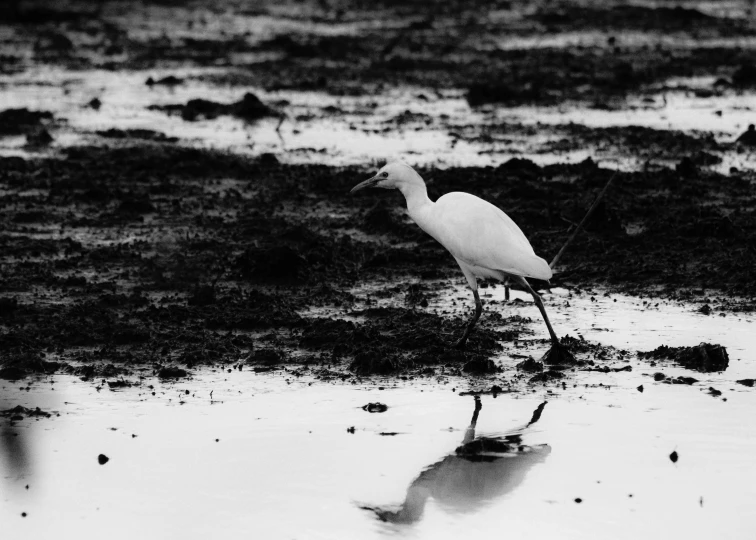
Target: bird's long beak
x=367, y=183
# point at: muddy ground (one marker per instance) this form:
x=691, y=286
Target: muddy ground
x=139, y=252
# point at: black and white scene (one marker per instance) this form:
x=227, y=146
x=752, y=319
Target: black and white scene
x=377, y=269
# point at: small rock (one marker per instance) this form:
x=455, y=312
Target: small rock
x=102, y=459
x=673, y=456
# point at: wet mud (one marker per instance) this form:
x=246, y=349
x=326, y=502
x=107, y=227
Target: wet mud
x=152, y=255
x=480, y=46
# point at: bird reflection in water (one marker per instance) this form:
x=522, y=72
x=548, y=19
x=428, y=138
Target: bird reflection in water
x=480, y=470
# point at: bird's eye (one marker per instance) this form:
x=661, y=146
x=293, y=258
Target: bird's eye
x=384, y=175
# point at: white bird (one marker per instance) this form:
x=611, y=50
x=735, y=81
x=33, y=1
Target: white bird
x=484, y=241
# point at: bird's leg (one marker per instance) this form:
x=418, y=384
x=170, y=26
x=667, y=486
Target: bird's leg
x=539, y=302
x=460, y=344
x=557, y=354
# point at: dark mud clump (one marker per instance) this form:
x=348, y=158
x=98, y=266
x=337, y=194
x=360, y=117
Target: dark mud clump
x=681, y=380
x=704, y=357
x=170, y=80
x=748, y=138
x=375, y=407
x=249, y=108
x=141, y=134
x=23, y=121
x=19, y=412
x=747, y=382
x=482, y=93
x=480, y=366
x=172, y=372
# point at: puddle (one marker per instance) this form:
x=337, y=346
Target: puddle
x=285, y=450
x=285, y=447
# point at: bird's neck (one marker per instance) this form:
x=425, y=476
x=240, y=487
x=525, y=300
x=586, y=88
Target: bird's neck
x=417, y=198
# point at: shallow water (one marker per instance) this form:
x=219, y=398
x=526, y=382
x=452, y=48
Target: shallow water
x=286, y=466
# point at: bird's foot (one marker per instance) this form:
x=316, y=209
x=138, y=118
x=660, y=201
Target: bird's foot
x=462, y=342
x=558, y=356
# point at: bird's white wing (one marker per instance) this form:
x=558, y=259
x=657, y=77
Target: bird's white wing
x=480, y=234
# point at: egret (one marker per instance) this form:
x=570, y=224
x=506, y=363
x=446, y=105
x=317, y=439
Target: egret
x=484, y=241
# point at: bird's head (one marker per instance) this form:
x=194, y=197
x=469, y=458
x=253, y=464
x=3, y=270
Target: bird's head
x=394, y=175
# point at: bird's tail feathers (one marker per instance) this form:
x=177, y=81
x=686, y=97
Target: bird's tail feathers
x=534, y=267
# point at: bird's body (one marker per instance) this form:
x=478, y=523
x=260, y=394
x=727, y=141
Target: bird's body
x=484, y=241
x=467, y=226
